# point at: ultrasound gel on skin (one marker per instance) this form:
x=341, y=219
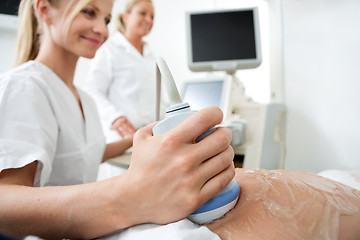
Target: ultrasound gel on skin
x=224, y=201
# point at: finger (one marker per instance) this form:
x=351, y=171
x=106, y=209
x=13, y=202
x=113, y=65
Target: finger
x=124, y=123
x=121, y=121
x=117, y=122
x=212, y=145
x=128, y=133
x=198, y=123
x=145, y=131
x=217, y=183
x=127, y=123
x=124, y=127
x=219, y=140
x=127, y=128
x=130, y=128
x=118, y=130
x=216, y=165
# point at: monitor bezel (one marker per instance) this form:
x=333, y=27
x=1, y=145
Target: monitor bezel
x=8, y=21
x=225, y=65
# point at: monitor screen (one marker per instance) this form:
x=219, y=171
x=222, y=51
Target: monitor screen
x=9, y=7
x=223, y=40
x=207, y=92
x=8, y=14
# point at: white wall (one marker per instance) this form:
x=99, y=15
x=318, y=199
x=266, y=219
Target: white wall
x=322, y=83
x=321, y=72
x=7, y=48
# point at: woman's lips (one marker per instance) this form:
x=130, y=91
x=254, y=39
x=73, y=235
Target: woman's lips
x=93, y=41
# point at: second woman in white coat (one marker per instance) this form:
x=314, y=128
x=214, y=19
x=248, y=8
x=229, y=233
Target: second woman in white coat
x=122, y=77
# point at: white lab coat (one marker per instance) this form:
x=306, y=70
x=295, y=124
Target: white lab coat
x=123, y=83
x=41, y=120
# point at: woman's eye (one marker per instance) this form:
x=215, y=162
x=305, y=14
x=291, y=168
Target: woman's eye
x=88, y=12
x=107, y=20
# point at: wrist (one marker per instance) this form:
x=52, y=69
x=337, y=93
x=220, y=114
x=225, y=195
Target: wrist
x=123, y=202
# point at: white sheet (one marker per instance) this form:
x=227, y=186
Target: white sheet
x=181, y=230
x=349, y=178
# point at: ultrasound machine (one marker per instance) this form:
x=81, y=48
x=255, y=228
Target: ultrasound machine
x=226, y=41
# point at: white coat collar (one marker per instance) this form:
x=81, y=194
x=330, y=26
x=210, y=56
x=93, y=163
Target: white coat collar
x=122, y=41
x=57, y=83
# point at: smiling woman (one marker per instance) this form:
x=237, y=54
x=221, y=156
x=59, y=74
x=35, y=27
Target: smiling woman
x=52, y=144
x=40, y=139
x=121, y=78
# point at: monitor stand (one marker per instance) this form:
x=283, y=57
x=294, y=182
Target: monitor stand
x=238, y=93
x=264, y=145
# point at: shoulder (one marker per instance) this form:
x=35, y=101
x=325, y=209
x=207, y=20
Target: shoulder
x=20, y=74
x=28, y=70
x=117, y=40
x=113, y=47
x=112, y=50
x=24, y=79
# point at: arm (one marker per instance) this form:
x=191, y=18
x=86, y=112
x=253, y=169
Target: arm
x=174, y=175
x=117, y=148
x=53, y=212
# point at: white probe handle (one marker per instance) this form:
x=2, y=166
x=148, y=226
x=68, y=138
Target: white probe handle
x=168, y=79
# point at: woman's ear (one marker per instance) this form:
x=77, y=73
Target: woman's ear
x=124, y=17
x=42, y=8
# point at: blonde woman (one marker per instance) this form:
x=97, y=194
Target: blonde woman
x=51, y=142
x=122, y=74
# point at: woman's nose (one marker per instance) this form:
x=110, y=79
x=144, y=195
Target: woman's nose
x=149, y=18
x=101, y=28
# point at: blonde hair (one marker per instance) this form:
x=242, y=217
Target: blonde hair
x=120, y=25
x=29, y=31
